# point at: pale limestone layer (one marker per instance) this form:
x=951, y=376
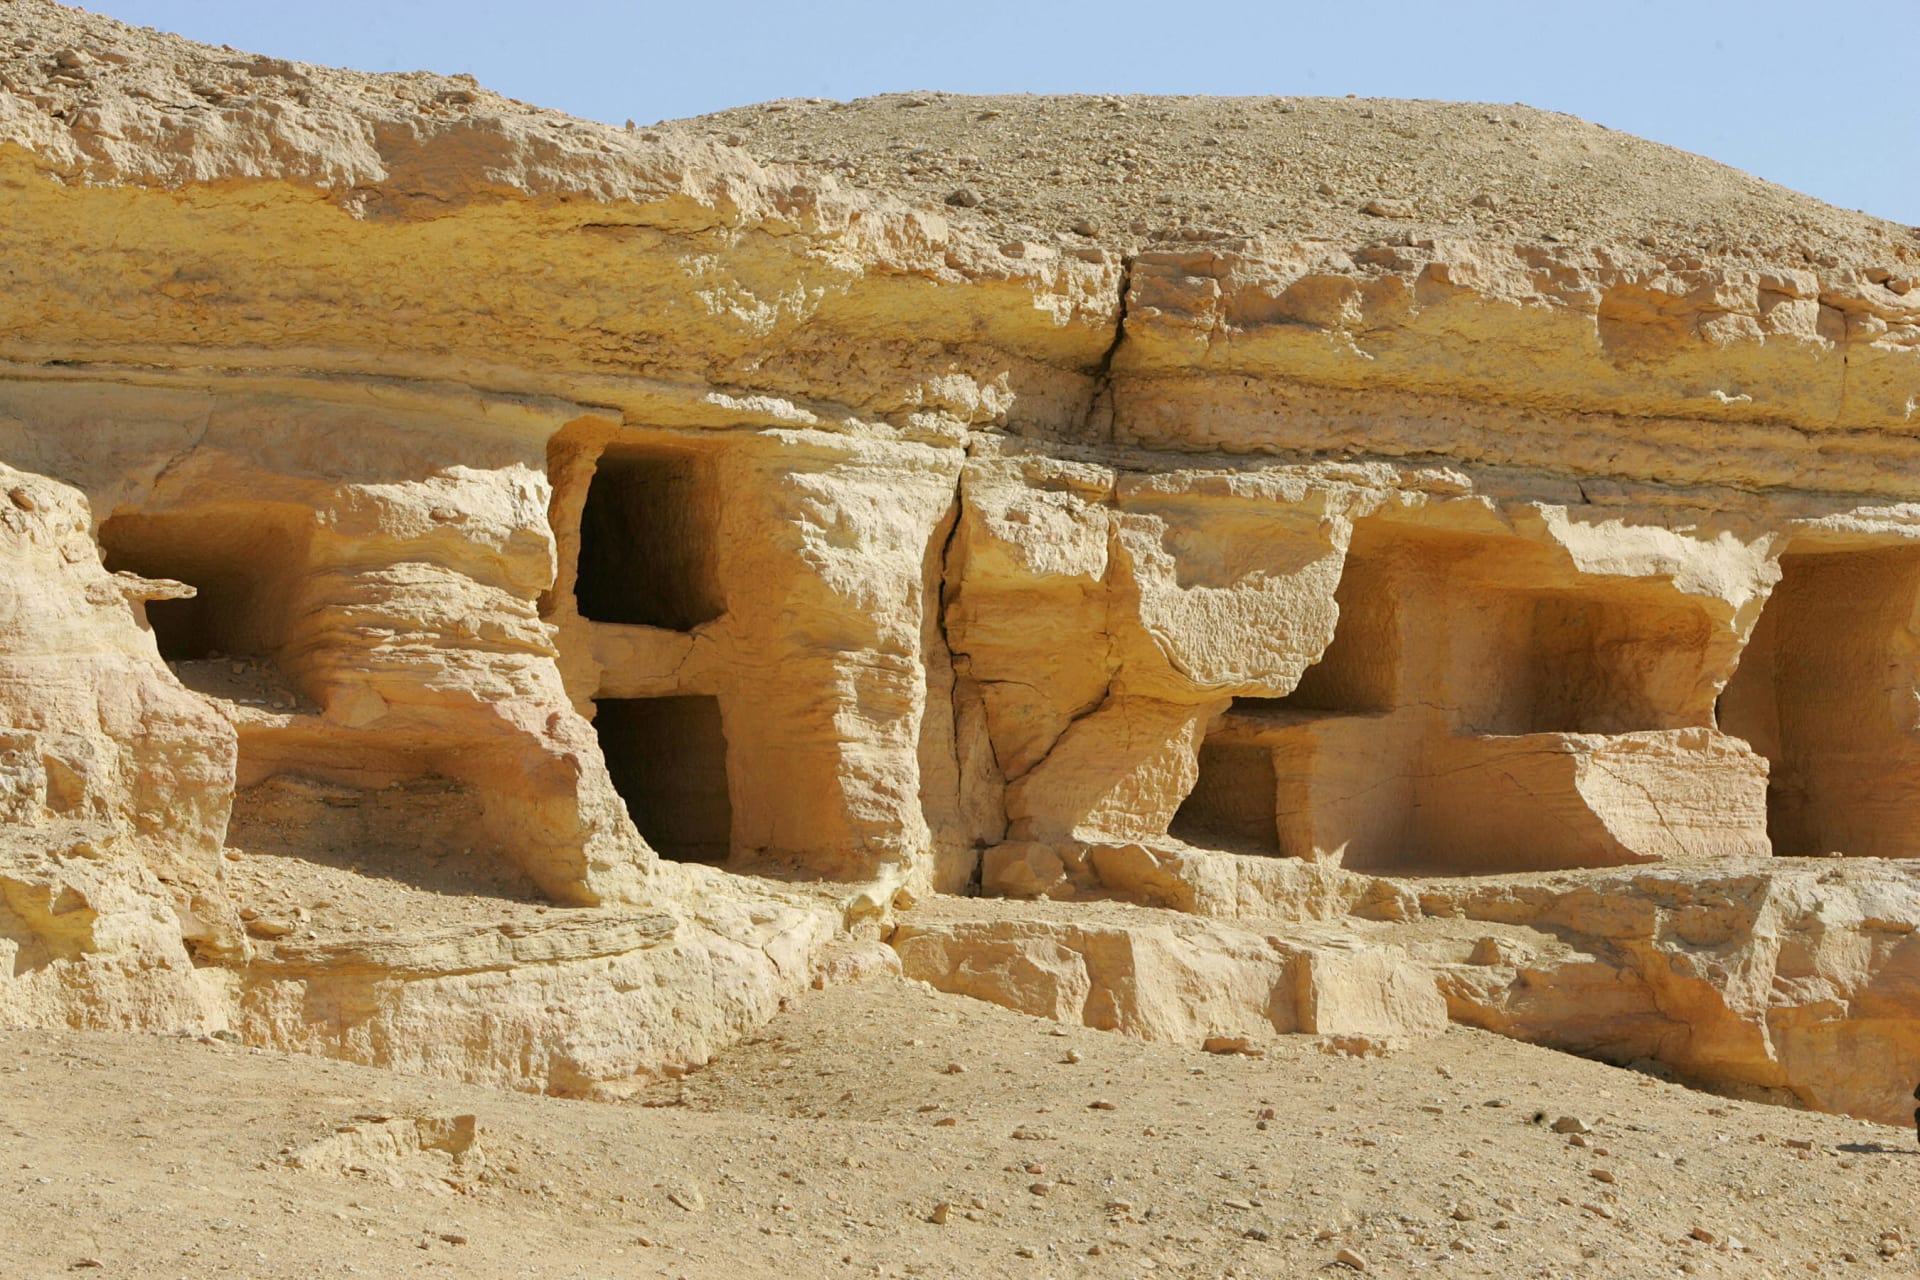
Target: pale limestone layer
x=1792, y=979
x=587, y=1006
x=431, y=490
x=1162, y=983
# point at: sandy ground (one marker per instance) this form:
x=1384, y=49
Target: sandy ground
x=828, y=1144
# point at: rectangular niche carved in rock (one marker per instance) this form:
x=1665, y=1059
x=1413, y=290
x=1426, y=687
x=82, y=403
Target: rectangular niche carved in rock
x=1610, y=666
x=668, y=758
x=647, y=535
x=1824, y=691
x=243, y=569
x=1233, y=804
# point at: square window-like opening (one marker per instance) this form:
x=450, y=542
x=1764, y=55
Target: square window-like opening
x=1234, y=803
x=668, y=758
x=1609, y=666
x=1524, y=662
x=647, y=541
x=245, y=568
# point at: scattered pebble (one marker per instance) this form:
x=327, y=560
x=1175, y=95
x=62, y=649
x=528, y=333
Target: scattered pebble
x=1389, y=208
x=1233, y=1044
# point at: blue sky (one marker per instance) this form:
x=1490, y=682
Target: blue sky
x=1818, y=97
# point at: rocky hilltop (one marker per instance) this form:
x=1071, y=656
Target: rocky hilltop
x=513, y=598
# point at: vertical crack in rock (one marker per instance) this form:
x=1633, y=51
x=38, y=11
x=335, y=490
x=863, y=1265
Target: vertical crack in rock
x=956, y=511
x=181, y=454
x=1101, y=395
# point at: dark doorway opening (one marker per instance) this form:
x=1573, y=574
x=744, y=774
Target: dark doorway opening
x=647, y=537
x=1823, y=691
x=668, y=758
x=244, y=570
x=1234, y=803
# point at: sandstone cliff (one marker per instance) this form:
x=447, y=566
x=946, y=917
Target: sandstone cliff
x=512, y=597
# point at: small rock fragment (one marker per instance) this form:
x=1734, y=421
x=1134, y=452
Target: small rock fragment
x=1351, y=1258
x=964, y=198
x=1388, y=208
x=1570, y=1124
x=1233, y=1044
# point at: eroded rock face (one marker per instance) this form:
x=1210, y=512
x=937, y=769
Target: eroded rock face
x=1790, y=979
x=115, y=785
x=566, y=516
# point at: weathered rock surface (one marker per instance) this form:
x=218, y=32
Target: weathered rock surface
x=1789, y=978
x=1180, y=980
x=436, y=523
x=1793, y=977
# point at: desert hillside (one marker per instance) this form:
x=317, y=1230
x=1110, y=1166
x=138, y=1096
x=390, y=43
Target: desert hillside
x=1134, y=170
